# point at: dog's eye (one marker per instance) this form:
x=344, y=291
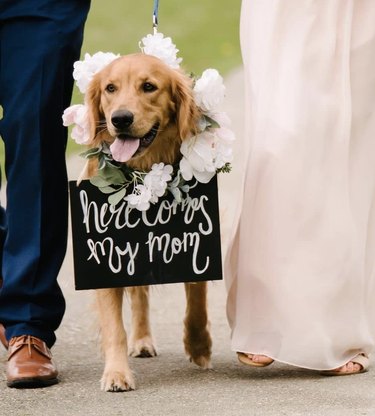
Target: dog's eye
x=110, y=88
x=148, y=87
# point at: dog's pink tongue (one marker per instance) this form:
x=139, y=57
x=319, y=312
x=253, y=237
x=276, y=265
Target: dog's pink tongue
x=123, y=150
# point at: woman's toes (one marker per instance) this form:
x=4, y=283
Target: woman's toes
x=261, y=359
x=349, y=367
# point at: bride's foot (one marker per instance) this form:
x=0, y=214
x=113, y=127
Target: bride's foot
x=357, y=365
x=255, y=360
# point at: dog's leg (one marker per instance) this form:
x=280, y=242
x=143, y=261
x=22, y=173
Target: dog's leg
x=141, y=343
x=117, y=375
x=197, y=339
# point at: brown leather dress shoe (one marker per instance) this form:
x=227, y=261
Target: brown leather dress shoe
x=3, y=339
x=30, y=363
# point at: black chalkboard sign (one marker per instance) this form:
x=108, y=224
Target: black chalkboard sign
x=169, y=243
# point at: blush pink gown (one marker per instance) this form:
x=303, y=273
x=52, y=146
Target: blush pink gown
x=301, y=270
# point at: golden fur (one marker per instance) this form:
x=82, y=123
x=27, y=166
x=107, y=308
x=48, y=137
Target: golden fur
x=124, y=86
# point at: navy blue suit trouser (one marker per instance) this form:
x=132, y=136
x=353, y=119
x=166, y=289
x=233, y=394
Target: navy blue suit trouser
x=39, y=41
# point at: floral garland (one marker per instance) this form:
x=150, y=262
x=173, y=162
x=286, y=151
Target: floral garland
x=203, y=155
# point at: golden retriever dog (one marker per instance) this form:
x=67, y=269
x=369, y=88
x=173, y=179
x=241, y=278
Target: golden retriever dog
x=147, y=108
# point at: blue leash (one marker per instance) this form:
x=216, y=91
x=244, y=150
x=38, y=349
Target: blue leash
x=155, y=16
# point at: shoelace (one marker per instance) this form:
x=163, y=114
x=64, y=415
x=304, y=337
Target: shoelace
x=28, y=340
x=29, y=344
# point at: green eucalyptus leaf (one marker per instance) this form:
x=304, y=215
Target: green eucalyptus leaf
x=225, y=169
x=102, y=163
x=211, y=122
x=176, y=193
x=114, y=199
x=90, y=153
x=99, y=182
x=113, y=176
x=107, y=189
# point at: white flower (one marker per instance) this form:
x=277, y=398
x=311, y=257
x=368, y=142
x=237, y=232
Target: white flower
x=86, y=69
x=209, y=90
x=221, y=118
x=154, y=186
x=161, y=47
x=198, y=157
x=206, y=152
x=223, y=138
x=225, y=135
x=156, y=180
x=140, y=198
x=78, y=115
x=223, y=154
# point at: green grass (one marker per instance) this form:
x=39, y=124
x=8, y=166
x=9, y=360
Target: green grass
x=205, y=32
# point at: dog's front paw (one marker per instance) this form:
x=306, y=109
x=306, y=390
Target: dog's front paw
x=142, y=348
x=198, y=345
x=116, y=381
x=202, y=361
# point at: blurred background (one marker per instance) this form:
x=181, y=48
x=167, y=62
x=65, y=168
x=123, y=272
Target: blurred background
x=205, y=32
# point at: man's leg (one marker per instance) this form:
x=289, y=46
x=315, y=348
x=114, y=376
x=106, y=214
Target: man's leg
x=36, y=58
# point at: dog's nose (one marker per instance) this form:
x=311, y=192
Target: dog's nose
x=122, y=119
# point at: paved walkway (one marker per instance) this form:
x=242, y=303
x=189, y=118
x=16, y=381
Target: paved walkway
x=169, y=384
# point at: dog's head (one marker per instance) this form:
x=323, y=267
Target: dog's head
x=142, y=106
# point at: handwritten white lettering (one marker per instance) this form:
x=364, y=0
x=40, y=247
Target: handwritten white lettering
x=102, y=217
x=113, y=255
x=189, y=206
x=172, y=246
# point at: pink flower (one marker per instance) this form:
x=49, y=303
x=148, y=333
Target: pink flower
x=77, y=114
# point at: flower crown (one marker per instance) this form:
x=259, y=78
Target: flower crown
x=203, y=155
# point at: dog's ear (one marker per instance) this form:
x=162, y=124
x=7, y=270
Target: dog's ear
x=95, y=115
x=187, y=112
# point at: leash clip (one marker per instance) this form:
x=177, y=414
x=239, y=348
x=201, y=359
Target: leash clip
x=155, y=24
x=155, y=16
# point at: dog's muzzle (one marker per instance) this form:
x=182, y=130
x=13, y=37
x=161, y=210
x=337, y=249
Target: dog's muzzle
x=125, y=146
x=122, y=119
